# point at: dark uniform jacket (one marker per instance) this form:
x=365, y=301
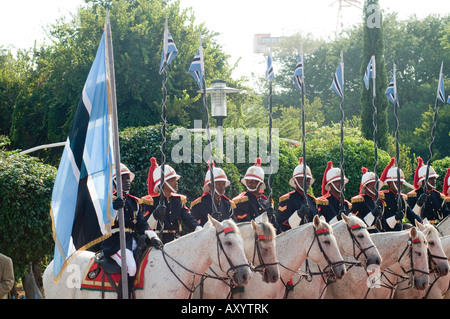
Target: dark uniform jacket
x=249, y=206
x=289, y=204
x=176, y=214
x=202, y=206
x=391, y=209
x=329, y=206
x=134, y=224
x=435, y=208
x=362, y=205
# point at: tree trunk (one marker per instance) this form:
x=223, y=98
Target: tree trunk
x=29, y=285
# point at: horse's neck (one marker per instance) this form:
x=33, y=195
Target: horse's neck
x=444, y=226
x=292, y=249
x=342, y=236
x=193, y=250
x=389, y=244
x=445, y=241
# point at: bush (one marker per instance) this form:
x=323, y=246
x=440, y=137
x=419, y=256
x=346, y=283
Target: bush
x=25, y=224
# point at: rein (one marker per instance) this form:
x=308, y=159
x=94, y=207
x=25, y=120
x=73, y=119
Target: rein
x=356, y=243
x=220, y=248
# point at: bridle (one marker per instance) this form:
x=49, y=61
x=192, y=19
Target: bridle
x=357, y=244
x=257, y=254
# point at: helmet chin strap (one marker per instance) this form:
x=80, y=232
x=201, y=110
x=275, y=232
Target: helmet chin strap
x=296, y=183
x=370, y=191
x=253, y=189
x=335, y=188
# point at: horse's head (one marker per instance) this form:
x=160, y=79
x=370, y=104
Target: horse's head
x=361, y=246
x=264, y=255
x=230, y=255
x=413, y=259
x=324, y=248
x=436, y=256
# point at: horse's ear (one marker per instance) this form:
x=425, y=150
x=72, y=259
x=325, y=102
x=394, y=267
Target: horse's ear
x=345, y=218
x=420, y=226
x=413, y=233
x=256, y=227
x=217, y=225
x=316, y=221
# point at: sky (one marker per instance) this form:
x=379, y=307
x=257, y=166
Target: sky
x=24, y=21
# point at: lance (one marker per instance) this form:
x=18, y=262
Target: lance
x=397, y=147
x=113, y=100
x=270, y=76
x=341, y=162
x=439, y=96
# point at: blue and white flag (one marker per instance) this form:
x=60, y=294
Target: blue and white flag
x=370, y=72
x=81, y=207
x=391, y=91
x=169, y=50
x=440, y=92
x=298, y=74
x=197, y=68
x=338, y=81
x=269, y=72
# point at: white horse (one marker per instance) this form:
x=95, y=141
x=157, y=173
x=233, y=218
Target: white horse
x=356, y=247
x=403, y=252
x=438, y=265
x=259, y=246
x=444, y=226
x=313, y=240
x=174, y=271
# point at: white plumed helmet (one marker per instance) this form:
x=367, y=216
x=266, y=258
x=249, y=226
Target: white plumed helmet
x=298, y=172
x=256, y=173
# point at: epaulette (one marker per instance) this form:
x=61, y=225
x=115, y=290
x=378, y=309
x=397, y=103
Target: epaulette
x=405, y=197
x=137, y=199
x=241, y=198
x=147, y=200
x=195, y=202
x=447, y=199
x=357, y=199
x=443, y=197
x=183, y=198
x=382, y=195
x=233, y=205
x=412, y=194
x=349, y=204
x=323, y=200
x=285, y=197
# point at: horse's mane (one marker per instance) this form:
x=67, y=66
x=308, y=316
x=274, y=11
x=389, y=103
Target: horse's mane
x=268, y=230
x=232, y=224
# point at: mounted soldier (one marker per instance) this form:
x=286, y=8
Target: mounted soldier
x=396, y=209
x=203, y=206
x=168, y=219
x=251, y=203
x=329, y=204
x=135, y=225
x=364, y=204
x=292, y=210
x=430, y=204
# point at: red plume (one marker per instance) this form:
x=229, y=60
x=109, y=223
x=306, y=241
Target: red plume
x=324, y=179
x=364, y=170
x=386, y=169
x=416, y=173
x=258, y=162
x=300, y=160
x=445, y=188
x=150, y=181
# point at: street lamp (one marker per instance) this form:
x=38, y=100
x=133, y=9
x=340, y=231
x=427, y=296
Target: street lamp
x=218, y=92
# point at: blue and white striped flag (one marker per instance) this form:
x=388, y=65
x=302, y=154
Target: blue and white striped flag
x=440, y=92
x=370, y=72
x=169, y=50
x=391, y=91
x=338, y=81
x=298, y=74
x=269, y=72
x=197, y=68
x=81, y=207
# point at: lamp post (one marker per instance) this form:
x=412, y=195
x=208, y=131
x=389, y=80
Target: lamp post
x=218, y=91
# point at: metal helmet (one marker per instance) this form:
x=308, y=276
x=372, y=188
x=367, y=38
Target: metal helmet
x=331, y=175
x=298, y=172
x=256, y=173
x=421, y=173
x=154, y=176
x=123, y=170
x=368, y=177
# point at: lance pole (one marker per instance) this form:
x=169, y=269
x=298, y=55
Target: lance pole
x=397, y=147
x=305, y=191
x=113, y=100
x=341, y=163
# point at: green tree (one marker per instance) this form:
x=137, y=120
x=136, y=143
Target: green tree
x=374, y=46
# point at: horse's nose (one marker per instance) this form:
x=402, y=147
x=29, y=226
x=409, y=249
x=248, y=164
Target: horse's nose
x=443, y=271
x=340, y=272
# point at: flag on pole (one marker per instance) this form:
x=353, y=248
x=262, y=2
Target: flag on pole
x=298, y=74
x=169, y=49
x=269, y=72
x=338, y=81
x=81, y=207
x=440, y=90
x=197, y=68
x=391, y=91
x=370, y=72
